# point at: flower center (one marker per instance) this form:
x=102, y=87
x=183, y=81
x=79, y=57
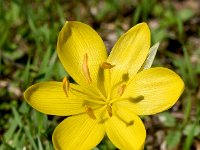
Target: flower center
x=98, y=97
x=107, y=85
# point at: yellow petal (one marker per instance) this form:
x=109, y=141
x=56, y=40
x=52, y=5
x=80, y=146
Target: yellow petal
x=78, y=133
x=76, y=41
x=126, y=130
x=152, y=91
x=50, y=98
x=130, y=52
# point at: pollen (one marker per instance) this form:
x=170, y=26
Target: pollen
x=106, y=65
x=66, y=86
x=86, y=69
x=121, y=89
x=90, y=112
x=109, y=110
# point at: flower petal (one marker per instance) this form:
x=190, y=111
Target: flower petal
x=126, y=130
x=130, y=52
x=49, y=98
x=150, y=58
x=152, y=91
x=78, y=133
x=75, y=41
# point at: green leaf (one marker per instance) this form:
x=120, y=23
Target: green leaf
x=16, y=138
x=189, y=140
x=159, y=34
x=136, y=15
x=192, y=129
x=173, y=139
x=185, y=14
x=17, y=117
x=10, y=132
x=191, y=71
x=6, y=146
x=26, y=74
x=167, y=119
x=24, y=108
x=30, y=138
x=40, y=121
x=39, y=143
x=187, y=107
x=45, y=61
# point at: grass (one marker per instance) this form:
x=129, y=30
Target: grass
x=29, y=31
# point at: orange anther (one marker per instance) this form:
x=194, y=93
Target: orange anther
x=106, y=65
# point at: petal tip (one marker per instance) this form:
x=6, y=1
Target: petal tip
x=66, y=22
x=143, y=25
x=144, y=29
x=27, y=93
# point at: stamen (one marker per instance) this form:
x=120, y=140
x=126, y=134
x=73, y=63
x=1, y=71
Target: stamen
x=107, y=73
x=121, y=89
x=131, y=99
x=109, y=110
x=86, y=69
x=106, y=65
x=66, y=86
x=90, y=112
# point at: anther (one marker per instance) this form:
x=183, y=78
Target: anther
x=86, y=69
x=130, y=123
x=121, y=89
x=90, y=112
x=109, y=110
x=106, y=65
x=66, y=85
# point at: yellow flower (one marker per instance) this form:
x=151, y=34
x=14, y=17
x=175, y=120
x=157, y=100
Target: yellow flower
x=111, y=91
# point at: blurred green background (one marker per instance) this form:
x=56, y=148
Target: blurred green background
x=28, y=34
